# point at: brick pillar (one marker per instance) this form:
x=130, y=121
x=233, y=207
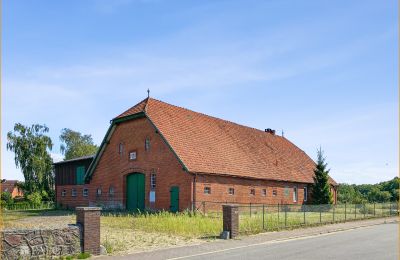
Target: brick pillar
x=231, y=219
x=89, y=219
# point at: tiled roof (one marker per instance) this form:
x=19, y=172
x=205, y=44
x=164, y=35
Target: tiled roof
x=207, y=144
x=8, y=185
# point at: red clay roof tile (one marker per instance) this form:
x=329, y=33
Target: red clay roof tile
x=207, y=144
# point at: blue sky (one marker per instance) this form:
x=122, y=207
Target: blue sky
x=323, y=71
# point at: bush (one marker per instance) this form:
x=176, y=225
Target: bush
x=35, y=198
x=7, y=198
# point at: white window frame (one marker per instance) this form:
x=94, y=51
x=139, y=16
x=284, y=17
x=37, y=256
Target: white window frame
x=264, y=192
x=63, y=193
x=73, y=193
x=274, y=192
x=132, y=155
x=305, y=194
x=295, y=194
x=120, y=148
x=147, y=144
x=153, y=181
x=252, y=192
x=98, y=192
x=85, y=192
x=231, y=191
x=207, y=188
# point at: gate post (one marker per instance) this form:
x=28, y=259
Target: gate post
x=231, y=219
x=89, y=220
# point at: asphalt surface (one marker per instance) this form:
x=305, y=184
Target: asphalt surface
x=375, y=242
x=368, y=240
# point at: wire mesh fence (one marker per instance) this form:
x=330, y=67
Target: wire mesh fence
x=29, y=206
x=254, y=218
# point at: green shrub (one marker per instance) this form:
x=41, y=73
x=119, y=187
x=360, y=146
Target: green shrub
x=35, y=198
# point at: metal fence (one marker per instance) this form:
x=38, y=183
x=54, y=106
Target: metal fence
x=29, y=206
x=260, y=217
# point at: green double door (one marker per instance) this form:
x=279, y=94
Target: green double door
x=135, y=193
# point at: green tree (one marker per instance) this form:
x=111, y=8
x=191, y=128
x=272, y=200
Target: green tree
x=74, y=144
x=321, y=193
x=35, y=198
x=31, y=147
x=7, y=198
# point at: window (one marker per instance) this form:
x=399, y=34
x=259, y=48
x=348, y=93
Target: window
x=147, y=144
x=153, y=181
x=231, y=191
x=98, y=192
x=120, y=148
x=264, y=192
x=252, y=192
x=132, y=155
x=207, y=190
x=80, y=175
x=294, y=194
x=286, y=192
x=63, y=193
x=305, y=194
x=73, y=192
x=274, y=193
x=111, y=191
x=85, y=192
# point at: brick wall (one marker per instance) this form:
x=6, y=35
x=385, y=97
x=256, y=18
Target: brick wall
x=113, y=168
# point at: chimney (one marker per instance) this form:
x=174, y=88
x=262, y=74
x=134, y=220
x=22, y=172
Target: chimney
x=269, y=130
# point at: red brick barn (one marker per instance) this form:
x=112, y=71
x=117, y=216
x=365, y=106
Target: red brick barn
x=159, y=156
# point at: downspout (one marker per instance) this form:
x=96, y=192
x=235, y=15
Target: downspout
x=194, y=193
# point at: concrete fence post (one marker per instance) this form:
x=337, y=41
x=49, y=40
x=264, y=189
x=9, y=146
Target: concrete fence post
x=89, y=220
x=231, y=219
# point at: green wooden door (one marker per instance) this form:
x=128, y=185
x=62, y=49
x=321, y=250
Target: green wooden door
x=174, y=195
x=135, y=191
x=80, y=175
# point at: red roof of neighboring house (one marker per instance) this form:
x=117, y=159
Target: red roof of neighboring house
x=206, y=144
x=8, y=185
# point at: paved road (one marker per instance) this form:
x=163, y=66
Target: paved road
x=376, y=243
x=368, y=240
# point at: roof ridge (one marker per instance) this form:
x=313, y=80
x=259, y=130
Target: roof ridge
x=212, y=117
x=132, y=107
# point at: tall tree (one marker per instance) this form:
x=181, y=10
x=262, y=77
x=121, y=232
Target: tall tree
x=74, y=144
x=31, y=147
x=321, y=193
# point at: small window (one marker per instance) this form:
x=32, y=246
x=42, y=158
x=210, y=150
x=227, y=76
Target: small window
x=121, y=148
x=147, y=144
x=63, y=193
x=207, y=190
x=305, y=194
x=73, y=192
x=132, y=155
x=274, y=192
x=294, y=194
x=111, y=191
x=153, y=181
x=85, y=192
x=98, y=192
x=286, y=192
x=231, y=191
x=252, y=192
x=264, y=192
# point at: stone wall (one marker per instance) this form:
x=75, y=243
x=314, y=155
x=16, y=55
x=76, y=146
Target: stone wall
x=39, y=244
